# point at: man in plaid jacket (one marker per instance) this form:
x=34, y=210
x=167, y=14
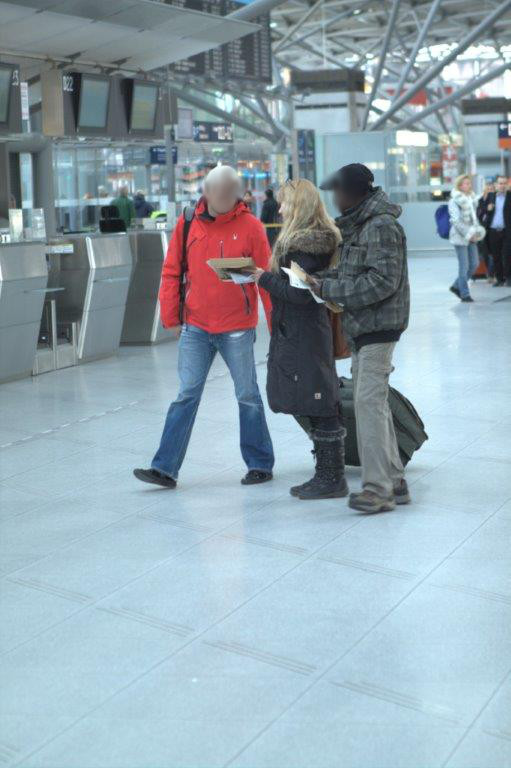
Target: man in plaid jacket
x=371, y=282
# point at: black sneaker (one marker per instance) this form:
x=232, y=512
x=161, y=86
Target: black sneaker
x=255, y=476
x=455, y=291
x=154, y=477
x=468, y=299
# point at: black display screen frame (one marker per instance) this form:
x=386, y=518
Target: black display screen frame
x=10, y=69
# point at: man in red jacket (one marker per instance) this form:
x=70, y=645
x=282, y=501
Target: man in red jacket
x=218, y=317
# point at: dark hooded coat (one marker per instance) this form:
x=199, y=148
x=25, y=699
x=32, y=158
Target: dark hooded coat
x=302, y=379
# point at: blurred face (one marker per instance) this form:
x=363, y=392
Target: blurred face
x=222, y=196
x=490, y=187
x=344, y=200
x=466, y=186
x=501, y=184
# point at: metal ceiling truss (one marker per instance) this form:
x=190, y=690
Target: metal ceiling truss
x=394, y=41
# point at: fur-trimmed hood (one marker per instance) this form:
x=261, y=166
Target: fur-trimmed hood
x=317, y=246
x=315, y=242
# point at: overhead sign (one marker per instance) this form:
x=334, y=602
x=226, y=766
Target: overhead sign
x=203, y=130
x=158, y=155
x=505, y=135
x=248, y=58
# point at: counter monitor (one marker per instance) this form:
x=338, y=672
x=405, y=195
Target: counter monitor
x=93, y=110
x=143, y=107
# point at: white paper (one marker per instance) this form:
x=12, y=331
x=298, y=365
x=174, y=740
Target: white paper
x=239, y=278
x=295, y=282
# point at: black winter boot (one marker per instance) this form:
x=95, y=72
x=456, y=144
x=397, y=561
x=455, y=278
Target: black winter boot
x=295, y=490
x=329, y=481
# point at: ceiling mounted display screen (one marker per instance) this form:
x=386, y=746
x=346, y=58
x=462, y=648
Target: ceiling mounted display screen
x=93, y=111
x=143, y=107
x=5, y=91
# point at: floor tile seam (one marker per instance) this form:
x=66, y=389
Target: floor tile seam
x=56, y=429
x=33, y=467
x=161, y=661
x=73, y=542
x=103, y=478
x=473, y=722
x=443, y=461
x=131, y=581
x=480, y=420
x=365, y=634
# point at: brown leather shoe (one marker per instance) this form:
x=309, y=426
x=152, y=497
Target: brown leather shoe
x=368, y=501
x=401, y=492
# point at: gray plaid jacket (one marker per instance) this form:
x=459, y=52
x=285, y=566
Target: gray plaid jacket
x=371, y=280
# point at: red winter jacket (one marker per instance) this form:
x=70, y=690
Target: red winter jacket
x=213, y=305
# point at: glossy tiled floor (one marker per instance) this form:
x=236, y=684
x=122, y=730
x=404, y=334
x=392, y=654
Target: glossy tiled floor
x=228, y=626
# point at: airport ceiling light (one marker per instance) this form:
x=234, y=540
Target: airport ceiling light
x=412, y=138
x=129, y=35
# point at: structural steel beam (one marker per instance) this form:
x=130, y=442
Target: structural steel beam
x=318, y=28
x=381, y=60
x=228, y=117
x=254, y=9
x=413, y=55
x=457, y=94
x=306, y=16
x=431, y=73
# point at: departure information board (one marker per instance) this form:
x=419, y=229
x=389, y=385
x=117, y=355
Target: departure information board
x=248, y=58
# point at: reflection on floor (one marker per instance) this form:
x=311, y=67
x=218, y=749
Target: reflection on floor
x=219, y=625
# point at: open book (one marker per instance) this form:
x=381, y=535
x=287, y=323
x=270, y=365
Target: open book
x=298, y=279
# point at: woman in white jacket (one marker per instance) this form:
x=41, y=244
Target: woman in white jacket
x=464, y=234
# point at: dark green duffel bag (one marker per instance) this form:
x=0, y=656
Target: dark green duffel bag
x=409, y=427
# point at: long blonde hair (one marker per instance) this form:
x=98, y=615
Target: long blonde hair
x=307, y=213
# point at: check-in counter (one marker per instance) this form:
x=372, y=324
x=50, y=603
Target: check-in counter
x=142, y=319
x=93, y=284
x=23, y=286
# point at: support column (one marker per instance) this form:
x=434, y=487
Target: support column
x=44, y=191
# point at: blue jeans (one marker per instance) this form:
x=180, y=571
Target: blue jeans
x=197, y=350
x=468, y=259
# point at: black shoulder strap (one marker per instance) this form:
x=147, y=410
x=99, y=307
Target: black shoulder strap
x=188, y=214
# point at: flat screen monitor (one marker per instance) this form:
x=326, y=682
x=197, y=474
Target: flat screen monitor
x=143, y=107
x=93, y=109
x=5, y=90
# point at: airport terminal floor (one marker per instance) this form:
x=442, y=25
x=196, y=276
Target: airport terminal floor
x=222, y=625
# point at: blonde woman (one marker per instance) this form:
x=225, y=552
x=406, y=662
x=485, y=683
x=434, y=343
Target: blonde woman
x=302, y=379
x=464, y=234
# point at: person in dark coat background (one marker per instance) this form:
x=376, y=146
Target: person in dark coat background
x=302, y=378
x=143, y=209
x=270, y=215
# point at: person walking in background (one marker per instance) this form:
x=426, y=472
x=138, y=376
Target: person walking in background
x=495, y=216
x=464, y=234
x=216, y=316
x=125, y=206
x=270, y=215
x=484, y=250
x=249, y=200
x=302, y=379
x=371, y=283
x=143, y=209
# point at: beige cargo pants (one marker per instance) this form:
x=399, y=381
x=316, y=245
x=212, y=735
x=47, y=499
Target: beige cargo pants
x=377, y=445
